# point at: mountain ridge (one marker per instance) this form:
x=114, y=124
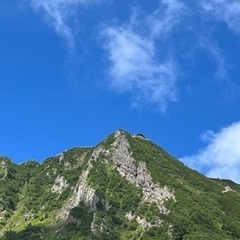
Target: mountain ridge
x=124, y=188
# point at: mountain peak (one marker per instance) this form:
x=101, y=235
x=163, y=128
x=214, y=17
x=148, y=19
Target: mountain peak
x=124, y=188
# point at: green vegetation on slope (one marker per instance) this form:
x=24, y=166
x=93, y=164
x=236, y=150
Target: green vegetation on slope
x=32, y=195
x=26, y=190
x=201, y=209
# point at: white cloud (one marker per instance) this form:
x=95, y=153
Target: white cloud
x=58, y=12
x=135, y=63
x=216, y=53
x=135, y=68
x=221, y=157
x=141, y=60
x=224, y=10
x=166, y=17
x=220, y=61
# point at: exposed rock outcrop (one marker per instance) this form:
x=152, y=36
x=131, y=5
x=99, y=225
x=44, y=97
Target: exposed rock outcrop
x=228, y=189
x=3, y=169
x=145, y=225
x=82, y=191
x=59, y=185
x=138, y=175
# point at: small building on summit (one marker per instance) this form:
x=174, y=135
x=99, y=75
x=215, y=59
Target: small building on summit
x=139, y=135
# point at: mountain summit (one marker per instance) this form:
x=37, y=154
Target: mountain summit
x=124, y=188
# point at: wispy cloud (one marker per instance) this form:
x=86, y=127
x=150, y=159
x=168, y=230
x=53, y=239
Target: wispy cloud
x=142, y=59
x=217, y=55
x=221, y=157
x=136, y=65
x=135, y=68
x=58, y=12
x=227, y=11
x=164, y=18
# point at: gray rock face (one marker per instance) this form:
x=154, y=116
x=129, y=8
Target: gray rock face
x=59, y=185
x=138, y=175
x=145, y=225
x=82, y=191
x=228, y=189
x=3, y=169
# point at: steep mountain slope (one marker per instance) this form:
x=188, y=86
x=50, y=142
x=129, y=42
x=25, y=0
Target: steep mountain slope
x=124, y=188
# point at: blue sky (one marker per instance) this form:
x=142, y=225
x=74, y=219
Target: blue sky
x=74, y=71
